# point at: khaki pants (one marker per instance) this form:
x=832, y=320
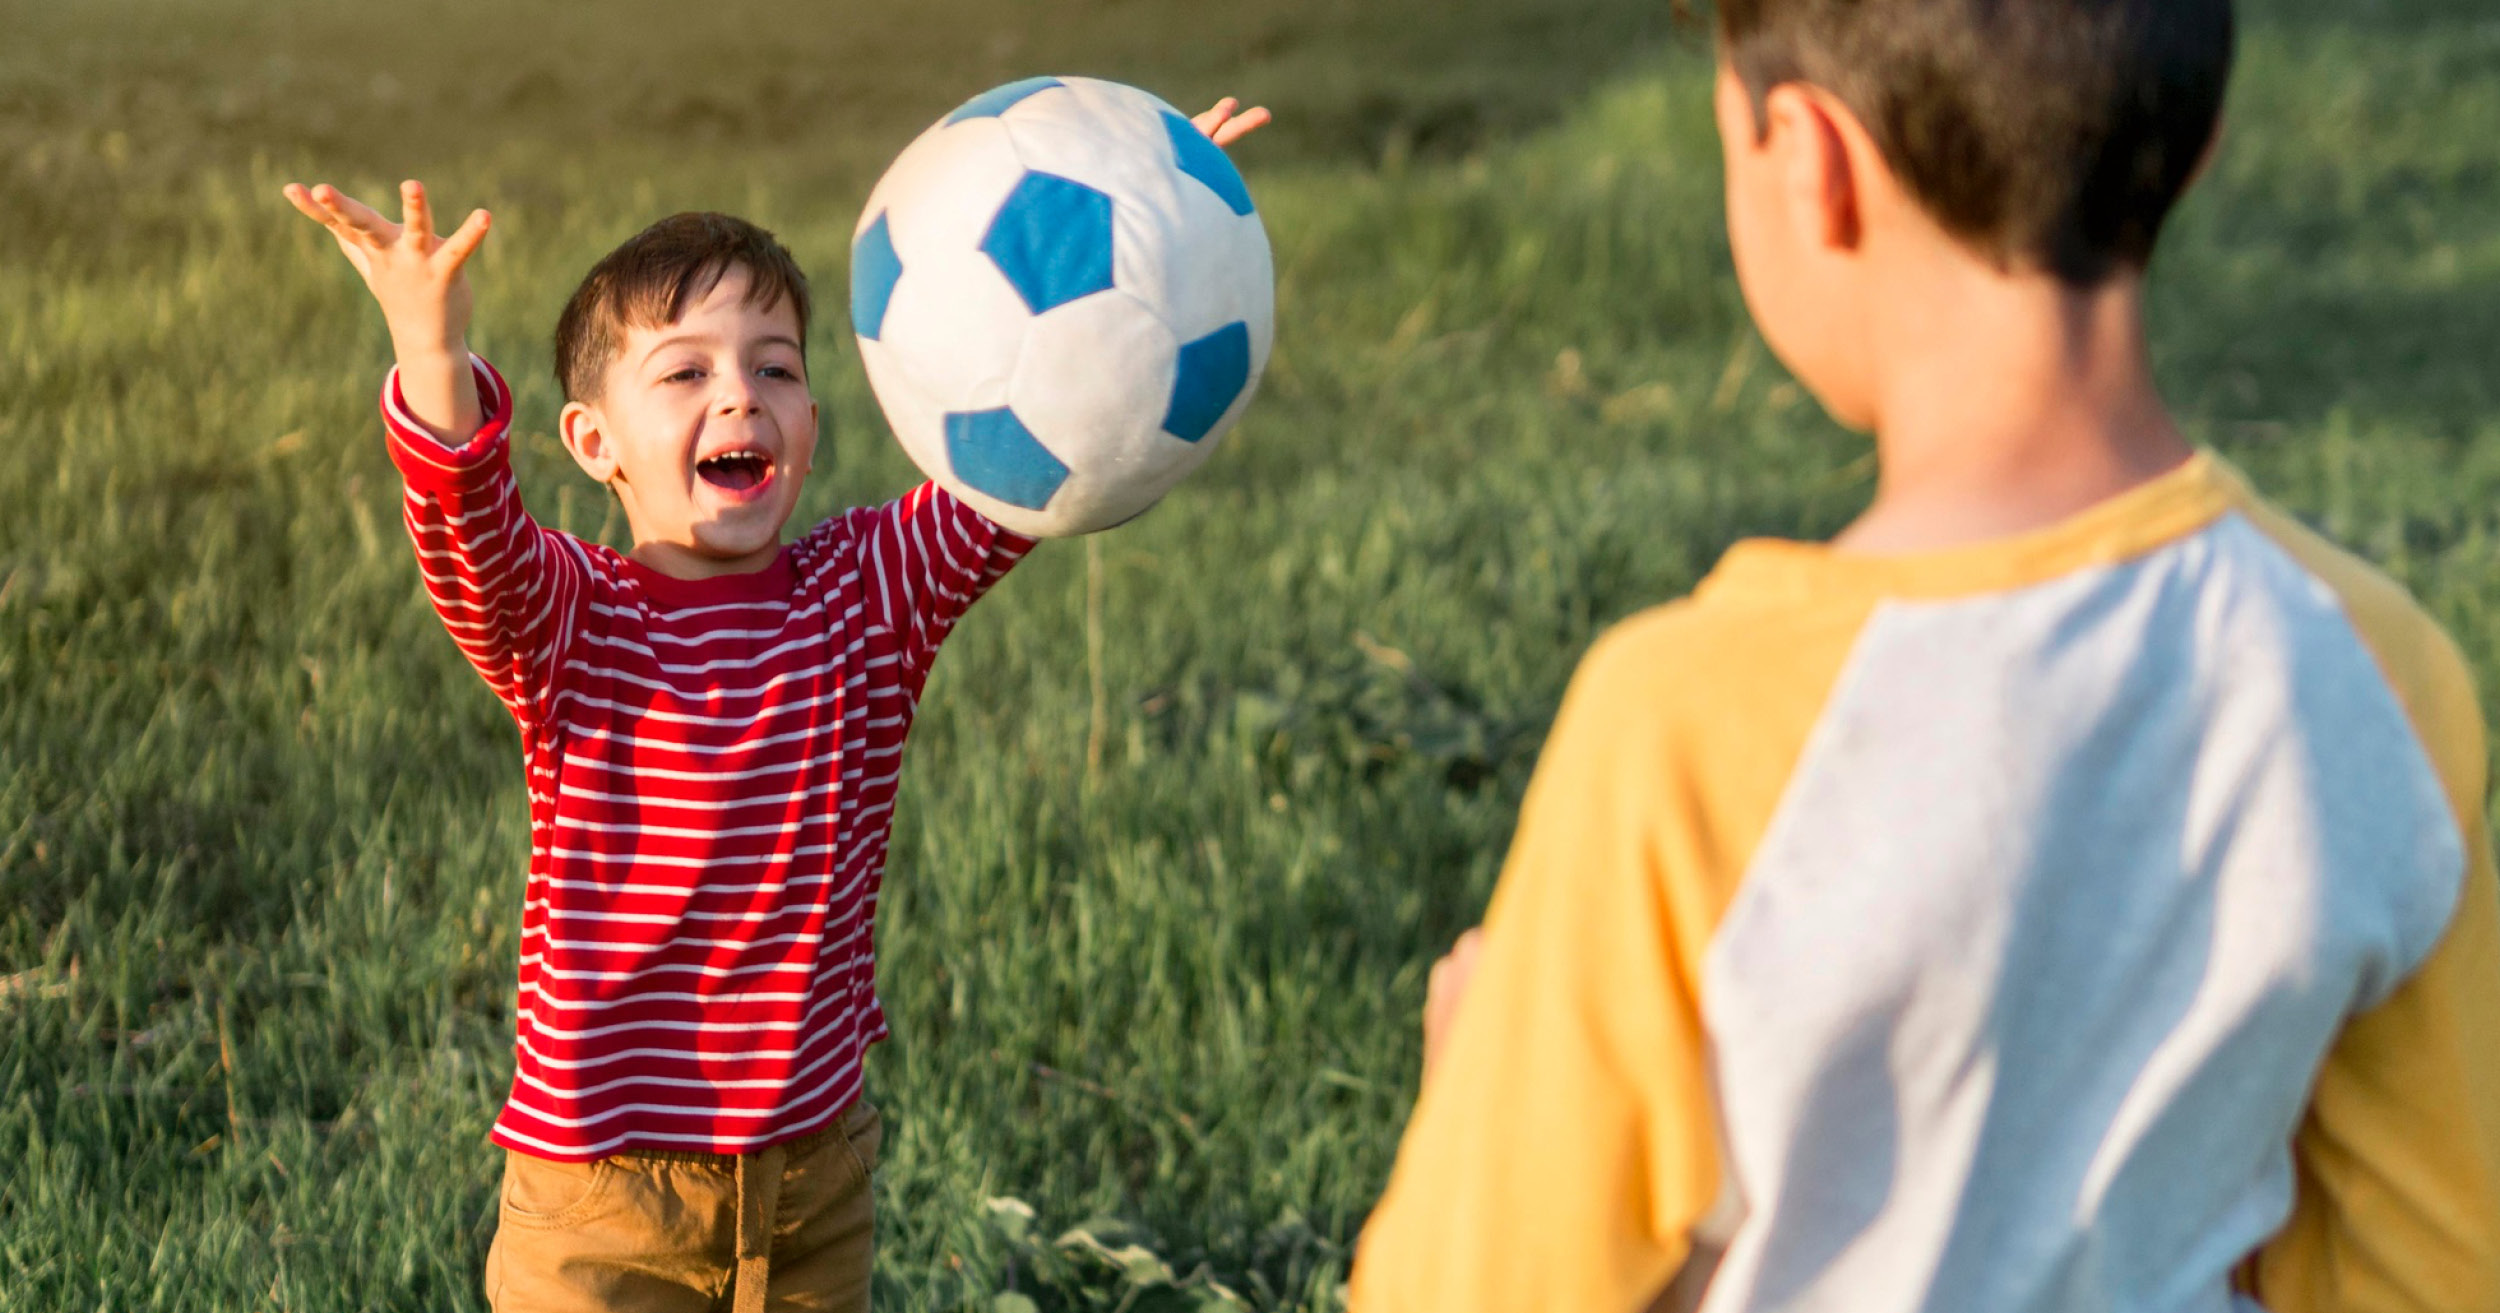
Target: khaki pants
x=786, y=1228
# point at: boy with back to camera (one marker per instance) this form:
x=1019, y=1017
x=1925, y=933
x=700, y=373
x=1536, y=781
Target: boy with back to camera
x=712, y=725
x=2065, y=892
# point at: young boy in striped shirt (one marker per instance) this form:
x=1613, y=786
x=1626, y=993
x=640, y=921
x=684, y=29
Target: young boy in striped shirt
x=712, y=726
x=2068, y=891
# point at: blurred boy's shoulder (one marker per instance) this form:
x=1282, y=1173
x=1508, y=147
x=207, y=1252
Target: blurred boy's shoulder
x=1741, y=631
x=1715, y=693
x=2415, y=653
x=1697, y=649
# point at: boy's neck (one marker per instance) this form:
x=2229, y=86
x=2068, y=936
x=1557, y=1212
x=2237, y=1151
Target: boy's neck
x=2009, y=404
x=686, y=563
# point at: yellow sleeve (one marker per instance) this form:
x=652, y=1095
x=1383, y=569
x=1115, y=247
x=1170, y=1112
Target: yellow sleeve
x=1565, y=1146
x=2398, y=1161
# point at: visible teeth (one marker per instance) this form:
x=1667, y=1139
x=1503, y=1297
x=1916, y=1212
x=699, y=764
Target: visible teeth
x=736, y=470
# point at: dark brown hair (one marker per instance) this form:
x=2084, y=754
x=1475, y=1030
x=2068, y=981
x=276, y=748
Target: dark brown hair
x=2050, y=133
x=649, y=280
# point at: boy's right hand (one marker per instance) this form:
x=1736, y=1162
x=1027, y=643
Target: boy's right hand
x=416, y=277
x=1447, y=986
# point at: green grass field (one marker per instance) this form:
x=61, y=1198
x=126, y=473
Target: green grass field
x=262, y=834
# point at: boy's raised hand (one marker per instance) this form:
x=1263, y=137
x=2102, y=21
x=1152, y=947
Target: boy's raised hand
x=1227, y=122
x=416, y=277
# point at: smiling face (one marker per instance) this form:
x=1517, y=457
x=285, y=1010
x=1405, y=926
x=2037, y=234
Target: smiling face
x=705, y=430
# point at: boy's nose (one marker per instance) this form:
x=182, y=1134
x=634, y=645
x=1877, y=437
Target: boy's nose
x=738, y=397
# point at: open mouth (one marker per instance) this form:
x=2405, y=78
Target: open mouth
x=736, y=471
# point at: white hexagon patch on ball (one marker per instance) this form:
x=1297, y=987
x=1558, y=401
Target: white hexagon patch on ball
x=1064, y=298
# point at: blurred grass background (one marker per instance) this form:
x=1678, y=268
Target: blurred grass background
x=262, y=835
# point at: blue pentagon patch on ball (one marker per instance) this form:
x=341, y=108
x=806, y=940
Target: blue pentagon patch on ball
x=998, y=100
x=1052, y=238
x=993, y=452
x=1202, y=159
x=1213, y=371
x=875, y=269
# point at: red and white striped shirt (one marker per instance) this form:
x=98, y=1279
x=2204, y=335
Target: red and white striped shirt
x=711, y=779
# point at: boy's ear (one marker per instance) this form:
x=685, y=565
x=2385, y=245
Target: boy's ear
x=584, y=431
x=1819, y=172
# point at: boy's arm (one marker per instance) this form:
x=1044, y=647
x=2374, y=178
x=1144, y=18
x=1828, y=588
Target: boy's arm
x=925, y=558
x=1564, y=1144
x=505, y=588
x=2398, y=1161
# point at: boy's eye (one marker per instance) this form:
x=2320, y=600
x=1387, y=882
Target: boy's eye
x=686, y=375
x=778, y=371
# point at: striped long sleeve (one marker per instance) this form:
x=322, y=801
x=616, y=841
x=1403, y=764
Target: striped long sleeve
x=506, y=589
x=930, y=555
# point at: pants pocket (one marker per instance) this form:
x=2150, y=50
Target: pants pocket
x=540, y=1192
x=863, y=1134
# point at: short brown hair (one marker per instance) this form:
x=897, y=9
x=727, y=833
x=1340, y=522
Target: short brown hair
x=649, y=280
x=2052, y=133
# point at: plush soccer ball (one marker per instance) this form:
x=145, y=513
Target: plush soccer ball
x=1063, y=297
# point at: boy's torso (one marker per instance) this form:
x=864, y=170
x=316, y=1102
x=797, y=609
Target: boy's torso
x=710, y=796
x=2047, y=896
x=711, y=768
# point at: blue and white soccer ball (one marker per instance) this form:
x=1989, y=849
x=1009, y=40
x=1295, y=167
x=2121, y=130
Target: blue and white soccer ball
x=1063, y=297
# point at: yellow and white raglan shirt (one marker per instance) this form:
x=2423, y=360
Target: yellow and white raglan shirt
x=2097, y=921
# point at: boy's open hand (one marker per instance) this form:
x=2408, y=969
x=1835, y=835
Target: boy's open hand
x=416, y=277
x=1227, y=122
x=412, y=272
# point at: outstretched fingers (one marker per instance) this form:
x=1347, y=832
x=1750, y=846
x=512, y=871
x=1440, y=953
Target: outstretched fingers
x=298, y=196
x=1241, y=125
x=416, y=214
x=346, y=216
x=1227, y=122
x=307, y=201
x=464, y=240
x=1214, y=118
